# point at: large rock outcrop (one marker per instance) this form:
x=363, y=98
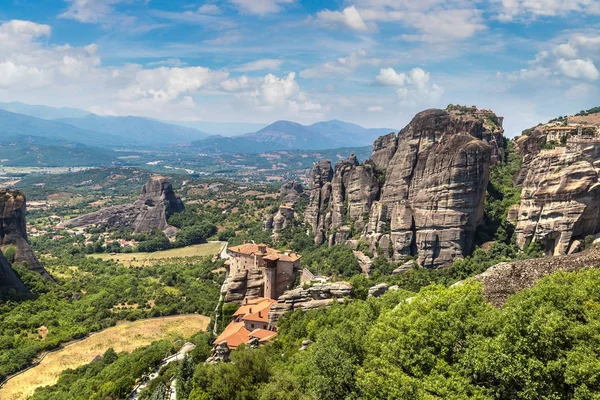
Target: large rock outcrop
x=505, y=279
x=420, y=194
x=13, y=230
x=289, y=192
x=316, y=296
x=560, y=198
x=150, y=211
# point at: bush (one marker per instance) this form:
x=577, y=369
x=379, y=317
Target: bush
x=10, y=253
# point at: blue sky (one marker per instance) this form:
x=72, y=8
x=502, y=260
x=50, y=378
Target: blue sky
x=372, y=62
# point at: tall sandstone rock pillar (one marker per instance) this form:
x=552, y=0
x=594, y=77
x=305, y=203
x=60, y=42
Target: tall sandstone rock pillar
x=421, y=193
x=13, y=230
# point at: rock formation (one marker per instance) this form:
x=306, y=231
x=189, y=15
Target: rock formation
x=316, y=296
x=13, y=230
x=506, y=279
x=150, y=211
x=420, y=194
x=560, y=197
x=290, y=192
x=8, y=278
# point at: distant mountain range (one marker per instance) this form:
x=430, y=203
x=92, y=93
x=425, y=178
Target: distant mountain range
x=43, y=112
x=136, y=130
x=286, y=135
x=74, y=126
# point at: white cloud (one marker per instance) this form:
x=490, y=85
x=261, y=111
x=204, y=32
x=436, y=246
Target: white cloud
x=375, y=109
x=349, y=18
x=582, y=91
x=578, y=69
x=389, y=77
x=340, y=67
x=162, y=85
x=414, y=87
x=209, y=9
x=26, y=62
x=261, y=7
x=509, y=10
x=576, y=59
x=260, y=65
x=241, y=84
x=428, y=20
x=90, y=11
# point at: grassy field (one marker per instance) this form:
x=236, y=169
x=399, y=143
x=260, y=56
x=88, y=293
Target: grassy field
x=126, y=336
x=145, y=259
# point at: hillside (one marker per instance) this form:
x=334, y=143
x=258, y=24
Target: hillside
x=43, y=112
x=17, y=126
x=141, y=131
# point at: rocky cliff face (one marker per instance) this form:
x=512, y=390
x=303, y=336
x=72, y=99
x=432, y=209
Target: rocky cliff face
x=559, y=200
x=420, y=194
x=316, y=296
x=13, y=230
x=150, y=211
x=289, y=192
x=8, y=278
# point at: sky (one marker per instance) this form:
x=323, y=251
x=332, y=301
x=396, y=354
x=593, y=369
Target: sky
x=371, y=62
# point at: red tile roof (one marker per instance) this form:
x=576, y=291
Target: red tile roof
x=235, y=335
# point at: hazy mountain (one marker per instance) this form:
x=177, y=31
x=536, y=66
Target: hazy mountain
x=220, y=128
x=141, y=131
x=48, y=152
x=348, y=134
x=287, y=135
x=15, y=126
x=43, y=112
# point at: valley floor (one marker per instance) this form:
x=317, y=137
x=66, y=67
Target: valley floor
x=147, y=259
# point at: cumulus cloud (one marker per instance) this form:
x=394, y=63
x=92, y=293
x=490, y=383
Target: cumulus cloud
x=26, y=62
x=162, y=85
x=260, y=65
x=389, y=77
x=577, y=59
x=349, y=17
x=261, y=7
x=431, y=20
x=340, y=67
x=414, y=88
x=509, y=10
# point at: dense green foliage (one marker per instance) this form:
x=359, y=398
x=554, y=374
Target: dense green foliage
x=335, y=260
x=444, y=343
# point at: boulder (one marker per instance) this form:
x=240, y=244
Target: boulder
x=505, y=279
x=378, y=290
x=150, y=211
x=316, y=296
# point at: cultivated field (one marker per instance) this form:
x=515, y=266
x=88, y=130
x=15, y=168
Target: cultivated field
x=146, y=259
x=126, y=336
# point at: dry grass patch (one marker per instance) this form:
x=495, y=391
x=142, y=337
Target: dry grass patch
x=126, y=336
x=147, y=259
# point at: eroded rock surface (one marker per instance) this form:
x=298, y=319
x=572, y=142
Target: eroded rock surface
x=506, y=279
x=420, y=194
x=150, y=211
x=316, y=296
x=13, y=230
x=8, y=277
x=559, y=200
